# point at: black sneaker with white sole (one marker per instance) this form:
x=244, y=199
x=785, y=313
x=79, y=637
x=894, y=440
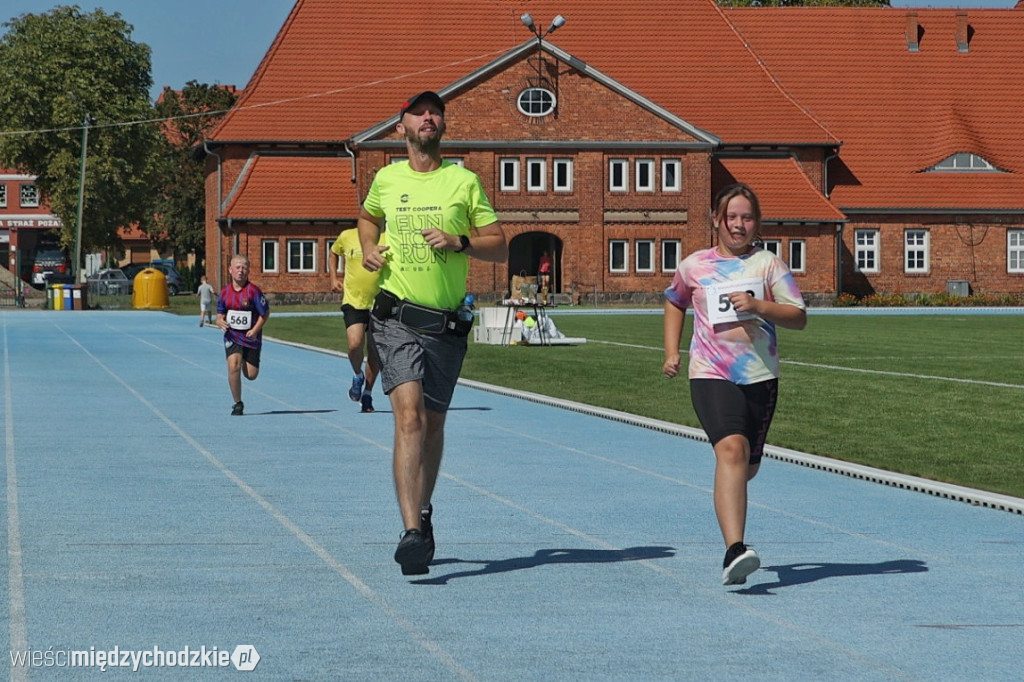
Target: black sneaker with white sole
x=740, y=561
x=238, y=409
x=411, y=553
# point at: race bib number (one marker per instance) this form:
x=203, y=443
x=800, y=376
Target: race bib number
x=240, y=320
x=720, y=308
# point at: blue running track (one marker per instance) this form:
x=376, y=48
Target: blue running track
x=142, y=519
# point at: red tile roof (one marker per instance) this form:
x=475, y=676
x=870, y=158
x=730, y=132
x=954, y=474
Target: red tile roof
x=811, y=75
x=314, y=188
x=785, y=192
x=337, y=68
x=898, y=112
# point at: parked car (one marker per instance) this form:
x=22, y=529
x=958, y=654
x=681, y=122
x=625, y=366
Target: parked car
x=110, y=282
x=175, y=281
x=50, y=266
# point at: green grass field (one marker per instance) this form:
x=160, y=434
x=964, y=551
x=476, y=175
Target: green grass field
x=935, y=395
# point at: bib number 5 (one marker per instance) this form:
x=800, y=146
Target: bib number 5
x=720, y=308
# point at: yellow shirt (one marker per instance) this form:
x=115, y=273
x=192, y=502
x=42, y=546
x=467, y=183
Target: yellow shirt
x=450, y=198
x=361, y=285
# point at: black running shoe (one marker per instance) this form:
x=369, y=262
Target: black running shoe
x=367, y=400
x=411, y=553
x=238, y=409
x=427, y=528
x=740, y=561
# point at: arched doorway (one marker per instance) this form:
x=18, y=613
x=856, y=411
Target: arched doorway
x=525, y=252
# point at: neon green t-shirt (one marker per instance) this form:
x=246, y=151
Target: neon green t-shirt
x=451, y=199
x=361, y=285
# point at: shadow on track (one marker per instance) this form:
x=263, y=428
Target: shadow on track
x=801, y=574
x=544, y=557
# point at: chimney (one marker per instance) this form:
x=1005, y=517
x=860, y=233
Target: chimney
x=914, y=31
x=963, y=32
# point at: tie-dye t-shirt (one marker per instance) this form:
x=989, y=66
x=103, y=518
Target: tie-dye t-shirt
x=742, y=351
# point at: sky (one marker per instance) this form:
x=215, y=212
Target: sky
x=222, y=41
x=209, y=41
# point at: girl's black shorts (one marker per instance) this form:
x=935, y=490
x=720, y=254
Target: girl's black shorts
x=725, y=409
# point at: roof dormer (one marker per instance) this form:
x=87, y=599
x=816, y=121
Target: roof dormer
x=963, y=162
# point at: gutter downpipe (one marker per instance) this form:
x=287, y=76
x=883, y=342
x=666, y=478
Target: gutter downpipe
x=839, y=258
x=220, y=199
x=351, y=155
x=839, y=226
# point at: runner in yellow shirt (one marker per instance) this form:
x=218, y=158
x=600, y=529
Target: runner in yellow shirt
x=359, y=287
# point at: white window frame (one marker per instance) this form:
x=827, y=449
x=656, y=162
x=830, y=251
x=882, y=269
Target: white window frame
x=797, y=255
x=677, y=172
x=963, y=162
x=916, y=251
x=536, y=174
x=562, y=167
x=618, y=249
x=456, y=160
x=399, y=159
x=26, y=189
x=670, y=254
x=1015, y=250
x=866, y=247
x=275, y=252
x=772, y=245
x=536, y=102
x=328, y=243
x=507, y=166
x=3, y=195
x=618, y=167
x=644, y=174
x=644, y=248
x=298, y=248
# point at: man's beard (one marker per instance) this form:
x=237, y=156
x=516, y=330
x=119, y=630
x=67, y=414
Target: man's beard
x=429, y=146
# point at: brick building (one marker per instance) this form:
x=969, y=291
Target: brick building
x=885, y=143
x=26, y=223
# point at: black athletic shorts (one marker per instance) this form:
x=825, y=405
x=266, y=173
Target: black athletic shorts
x=725, y=409
x=249, y=355
x=354, y=315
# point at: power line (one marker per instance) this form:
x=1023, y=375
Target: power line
x=218, y=112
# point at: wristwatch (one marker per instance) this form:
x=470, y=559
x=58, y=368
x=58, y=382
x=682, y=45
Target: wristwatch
x=463, y=243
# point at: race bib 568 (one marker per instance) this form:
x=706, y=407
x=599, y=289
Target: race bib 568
x=240, y=320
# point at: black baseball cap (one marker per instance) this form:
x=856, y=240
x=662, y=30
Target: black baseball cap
x=428, y=95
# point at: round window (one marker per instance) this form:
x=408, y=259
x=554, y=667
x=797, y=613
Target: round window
x=536, y=101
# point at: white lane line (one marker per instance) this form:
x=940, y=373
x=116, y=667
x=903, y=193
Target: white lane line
x=305, y=538
x=838, y=368
x=15, y=574
x=652, y=565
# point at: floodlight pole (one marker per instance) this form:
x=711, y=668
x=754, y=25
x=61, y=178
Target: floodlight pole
x=75, y=268
x=556, y=24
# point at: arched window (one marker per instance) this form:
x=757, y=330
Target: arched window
x=963, y=162
x=536, y=101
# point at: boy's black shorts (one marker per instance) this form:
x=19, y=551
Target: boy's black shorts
x=249, y=355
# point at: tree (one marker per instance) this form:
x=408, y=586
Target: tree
x=60, y=72
x=189, y=116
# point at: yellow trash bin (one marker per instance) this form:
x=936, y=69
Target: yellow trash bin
x=58, y=296
x=150, y=289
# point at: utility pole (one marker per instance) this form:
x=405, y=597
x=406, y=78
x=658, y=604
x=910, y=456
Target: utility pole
x=76, y=266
